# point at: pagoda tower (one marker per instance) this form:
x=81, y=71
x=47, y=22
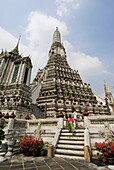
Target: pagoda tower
x=58, y=88
x=15, y=73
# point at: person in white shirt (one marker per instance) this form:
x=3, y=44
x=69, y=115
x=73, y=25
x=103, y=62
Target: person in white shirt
x=74, y=115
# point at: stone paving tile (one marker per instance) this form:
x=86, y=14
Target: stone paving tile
x=27, y=165
x=16, y=167
x=42, y=163
x=58, y=169
x=4, y=167
x=43, y=168
x=79, y=164
x=52, y=164
x=30, y=168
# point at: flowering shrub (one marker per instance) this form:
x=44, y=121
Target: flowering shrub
x=31, y=146
x=106, y=150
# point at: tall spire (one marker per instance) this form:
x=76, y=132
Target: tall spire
x=106, y=88
x=15, y=50
x=108, y=93
x=56, y=36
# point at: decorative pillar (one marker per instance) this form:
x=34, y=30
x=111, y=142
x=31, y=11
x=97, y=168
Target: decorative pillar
x=22, y=73
x=10, y=138
x=19, y=72
x=28, y=77
x=2, y=66
x=10, y=72
x=3, y=75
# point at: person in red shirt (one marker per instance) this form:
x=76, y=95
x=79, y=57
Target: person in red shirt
x=71, y=124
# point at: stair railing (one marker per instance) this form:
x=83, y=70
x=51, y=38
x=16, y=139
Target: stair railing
x=58, y=132
x=87, y=144
x=56, y=138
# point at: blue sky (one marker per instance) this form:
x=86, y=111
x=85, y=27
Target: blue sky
x=87, y=30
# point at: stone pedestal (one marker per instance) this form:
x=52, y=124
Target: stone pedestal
x=86, y=154
x=50, y=151
x=10, y=148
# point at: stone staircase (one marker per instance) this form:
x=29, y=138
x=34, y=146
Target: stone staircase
x=71, y=146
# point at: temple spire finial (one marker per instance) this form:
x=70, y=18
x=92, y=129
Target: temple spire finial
x=19, y=39
x=18, y=43
x=15, y=50
x=56, y=36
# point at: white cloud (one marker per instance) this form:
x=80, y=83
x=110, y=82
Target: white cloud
x=87, y=65
x=6, y=39
x=39, y=33
x=64, y=7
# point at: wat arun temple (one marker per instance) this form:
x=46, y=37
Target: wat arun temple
x=56, y=88
x=45, y=104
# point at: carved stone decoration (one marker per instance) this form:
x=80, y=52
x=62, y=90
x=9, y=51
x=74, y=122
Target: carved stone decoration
x=107, y=133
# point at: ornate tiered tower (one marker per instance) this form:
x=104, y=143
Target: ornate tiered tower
x=57, y=87
x=15, y=73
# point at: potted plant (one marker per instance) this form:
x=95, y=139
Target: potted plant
x=27, y=117
x=6, y=115
x=12, y=115
x=60, y=115
x=106, y=152
x=30, y=146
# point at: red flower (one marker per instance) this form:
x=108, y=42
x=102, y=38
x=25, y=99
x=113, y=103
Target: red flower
x=104, y=160
x=106, y=149
x=28, y=143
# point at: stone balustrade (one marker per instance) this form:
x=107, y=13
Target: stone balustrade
x=98, y=121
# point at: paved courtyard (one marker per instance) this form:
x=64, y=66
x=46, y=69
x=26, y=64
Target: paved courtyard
x=20, y=162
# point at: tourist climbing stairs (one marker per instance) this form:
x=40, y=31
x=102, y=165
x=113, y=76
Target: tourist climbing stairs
x=71, y=146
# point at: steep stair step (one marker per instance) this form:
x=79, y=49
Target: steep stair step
x=69, y=157
x=65, y=146
x=70, y=134
x=72, y=138
x=70, y=152
x=71, y=142
x=76, y=130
